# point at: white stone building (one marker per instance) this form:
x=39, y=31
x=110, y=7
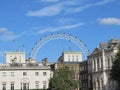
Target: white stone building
x=71, y=57
x=15, y=57
x=100, y=64
x=21, y=74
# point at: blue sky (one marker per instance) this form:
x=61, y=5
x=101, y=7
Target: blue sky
x=24, y=22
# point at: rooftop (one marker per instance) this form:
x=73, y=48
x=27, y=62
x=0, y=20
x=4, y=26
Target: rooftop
x=16, y=52
x=71, y=52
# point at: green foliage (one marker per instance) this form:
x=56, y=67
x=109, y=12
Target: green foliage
x=115, y=72
x=63, y=79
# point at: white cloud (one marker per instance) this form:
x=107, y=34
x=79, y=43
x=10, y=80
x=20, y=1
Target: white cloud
x=68, y=6
x=52, y=9
x=4, y=30
x=102, y=2
x=55, y=29
x=81, y=8
x=5, y=34
x=47, y=11
x=109, y=21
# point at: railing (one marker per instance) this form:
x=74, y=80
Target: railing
x=23, y=67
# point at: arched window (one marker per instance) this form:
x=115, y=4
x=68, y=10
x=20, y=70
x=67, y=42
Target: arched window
x=12, y=85
x=3, y=85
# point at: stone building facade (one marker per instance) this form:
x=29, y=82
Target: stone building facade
x=21, y=74
x=100, y=64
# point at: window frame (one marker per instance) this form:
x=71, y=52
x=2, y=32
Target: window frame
x=24, y=73
x=44, y=73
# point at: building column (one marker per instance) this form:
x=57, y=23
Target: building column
x=103, y=59
x=93, y=66
x=100, y=63
x=104, y=73
x=104, y=80
x=96, y=64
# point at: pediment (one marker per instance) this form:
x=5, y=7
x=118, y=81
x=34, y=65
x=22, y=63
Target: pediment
x=97, y=50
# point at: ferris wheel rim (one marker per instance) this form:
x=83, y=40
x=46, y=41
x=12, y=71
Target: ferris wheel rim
x=51, y=37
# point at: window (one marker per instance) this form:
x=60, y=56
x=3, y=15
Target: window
x=73, y=59
x=19, y=59
x=44, y=85
x=44, y=73
x=36, y=73
x=24, y=86
x=77, y=59
x=69, y=58
x=77, y=56
x=37, y=84
x=12, y=86
x=24, y=73
x=4, y=86
x=12, y=73
x=3, y=74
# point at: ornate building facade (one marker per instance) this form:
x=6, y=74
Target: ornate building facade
x=100, y=64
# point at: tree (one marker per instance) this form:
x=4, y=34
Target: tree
x=63, y=79
x=115, y=71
